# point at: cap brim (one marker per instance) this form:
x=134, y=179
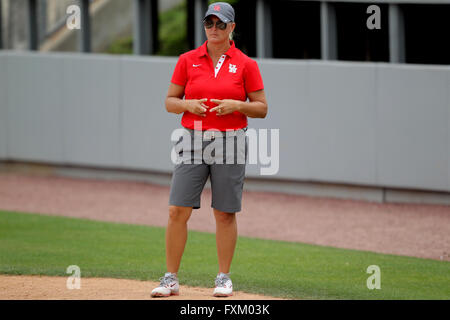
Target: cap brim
x=218, y=15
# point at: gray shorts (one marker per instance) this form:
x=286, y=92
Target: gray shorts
x=225, y=167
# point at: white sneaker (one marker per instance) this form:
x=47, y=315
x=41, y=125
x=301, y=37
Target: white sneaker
x=224, y=286
x=169, y=286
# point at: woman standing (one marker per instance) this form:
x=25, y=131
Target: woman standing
x=216, y=79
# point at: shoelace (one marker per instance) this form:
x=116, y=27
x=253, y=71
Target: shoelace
x=220, y=281
x=166, y=280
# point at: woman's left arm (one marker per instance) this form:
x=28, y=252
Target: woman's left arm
x=256, y=107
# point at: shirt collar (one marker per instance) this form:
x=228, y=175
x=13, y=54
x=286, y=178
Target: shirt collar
x=203, y=49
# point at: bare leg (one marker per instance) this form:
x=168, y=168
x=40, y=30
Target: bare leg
x=176, y=236
x=226, y=236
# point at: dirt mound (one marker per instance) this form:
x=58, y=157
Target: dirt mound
x=55, y=288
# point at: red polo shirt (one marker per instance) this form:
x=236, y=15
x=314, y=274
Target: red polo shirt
x=237, y=76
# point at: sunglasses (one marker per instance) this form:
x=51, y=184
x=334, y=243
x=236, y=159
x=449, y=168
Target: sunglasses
x=219, y=24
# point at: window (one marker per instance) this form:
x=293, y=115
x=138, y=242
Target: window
x=427, y=33
x=296, y=29
x=245, y=31
x=355, y=40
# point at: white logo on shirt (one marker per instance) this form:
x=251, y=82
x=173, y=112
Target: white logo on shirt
x=196, y=65
x=233, y=68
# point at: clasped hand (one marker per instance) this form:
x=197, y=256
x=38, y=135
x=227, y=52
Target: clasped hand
x=224, y=107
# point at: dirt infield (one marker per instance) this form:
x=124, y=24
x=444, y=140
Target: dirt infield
x=55, y=288
x=403, y=229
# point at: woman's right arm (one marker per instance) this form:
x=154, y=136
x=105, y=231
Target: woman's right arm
x=176, y=104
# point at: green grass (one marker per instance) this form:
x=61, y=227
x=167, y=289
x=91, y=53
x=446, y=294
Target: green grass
x=46, y=245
